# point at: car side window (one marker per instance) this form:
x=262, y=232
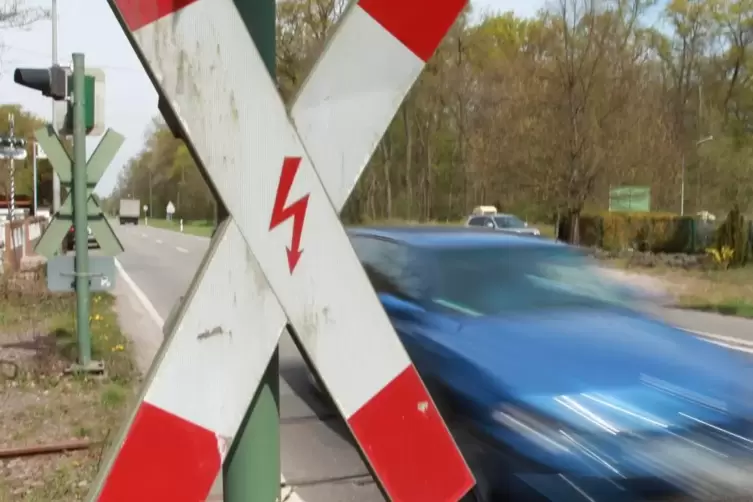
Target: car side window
x=505, y=222
x=478, y=221
x=389, y=266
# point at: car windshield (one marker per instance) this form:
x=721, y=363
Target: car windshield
x=490, y=281
x=509, y=222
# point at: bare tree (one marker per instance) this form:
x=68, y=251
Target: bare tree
x=16, y=14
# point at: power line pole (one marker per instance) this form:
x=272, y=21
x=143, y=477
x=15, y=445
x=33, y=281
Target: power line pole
x=55, y=177
x=682, y=174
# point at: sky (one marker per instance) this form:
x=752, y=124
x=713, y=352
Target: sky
x=88, y=26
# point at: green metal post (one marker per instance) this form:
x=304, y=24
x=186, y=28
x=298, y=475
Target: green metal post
x=252, y=471
x=80, y=196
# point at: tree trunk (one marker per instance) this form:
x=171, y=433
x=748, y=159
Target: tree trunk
x=408, y=162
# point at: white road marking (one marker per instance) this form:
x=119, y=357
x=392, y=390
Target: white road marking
x=144, y=236
x=729, y=346
x=728, y=339
x=730, y=342
x=159, y=241
x=287, y=493
x=141, y=296
x=177, y=231
x=181, y=250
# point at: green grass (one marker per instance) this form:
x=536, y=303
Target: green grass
x=728, y=292
x=108, y=344
x=739, y=307
x=202, y=228
x=42, y=404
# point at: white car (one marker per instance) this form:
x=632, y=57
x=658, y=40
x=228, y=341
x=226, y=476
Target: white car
x=488, y=217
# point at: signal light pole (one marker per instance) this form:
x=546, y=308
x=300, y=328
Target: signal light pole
x=53, y=82
x=80, y=217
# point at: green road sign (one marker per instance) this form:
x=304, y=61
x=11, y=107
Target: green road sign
x=630, y=199
x=49, y=244
x=61, y=274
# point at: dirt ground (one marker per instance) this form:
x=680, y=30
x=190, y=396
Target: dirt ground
x=43, y=405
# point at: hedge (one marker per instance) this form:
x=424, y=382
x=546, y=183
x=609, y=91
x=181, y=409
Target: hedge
x=655, y=232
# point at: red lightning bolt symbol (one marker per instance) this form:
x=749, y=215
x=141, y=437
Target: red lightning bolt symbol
x=296, y=210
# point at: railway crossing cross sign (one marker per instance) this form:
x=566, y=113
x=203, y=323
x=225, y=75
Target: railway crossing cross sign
x=49, y=244
x=283, y=256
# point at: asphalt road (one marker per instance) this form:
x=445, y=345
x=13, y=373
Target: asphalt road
x=318, y=458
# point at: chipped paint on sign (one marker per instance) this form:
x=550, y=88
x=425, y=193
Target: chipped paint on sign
x=223, y=445
x=217, y=330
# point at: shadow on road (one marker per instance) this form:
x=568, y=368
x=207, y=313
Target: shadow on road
x=296, y=376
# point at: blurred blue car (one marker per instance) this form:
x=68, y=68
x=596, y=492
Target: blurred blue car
x=554, y=384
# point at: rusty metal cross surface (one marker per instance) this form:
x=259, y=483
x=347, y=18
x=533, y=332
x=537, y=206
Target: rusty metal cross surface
x=283, y=256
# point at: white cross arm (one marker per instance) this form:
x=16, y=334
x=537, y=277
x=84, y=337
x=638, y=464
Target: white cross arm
x=210, y=366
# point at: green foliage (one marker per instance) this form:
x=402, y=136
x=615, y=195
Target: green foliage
x=733, y=235
x=25, y=125
x=538, y=116
x=722, y=257
x=655, y=232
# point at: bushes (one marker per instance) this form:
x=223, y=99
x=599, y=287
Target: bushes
x=655, y=232
x=665, y=233
x=733, y=240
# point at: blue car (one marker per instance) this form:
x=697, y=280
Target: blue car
x=555, y=385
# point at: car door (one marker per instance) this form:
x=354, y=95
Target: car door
x=480, y=221
x=397, y=280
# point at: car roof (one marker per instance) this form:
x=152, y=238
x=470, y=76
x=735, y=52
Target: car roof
x=446, y=236
x=490, y=215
